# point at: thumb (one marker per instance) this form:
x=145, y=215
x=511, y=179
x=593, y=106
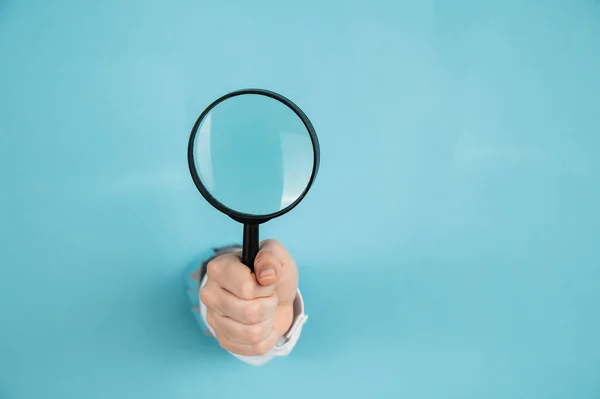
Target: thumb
x=267, y=266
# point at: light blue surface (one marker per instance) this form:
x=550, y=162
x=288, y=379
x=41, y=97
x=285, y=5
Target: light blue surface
x=253, y=154
x=449, y=248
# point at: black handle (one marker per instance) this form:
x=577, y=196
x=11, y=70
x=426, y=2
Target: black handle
x=250, y=248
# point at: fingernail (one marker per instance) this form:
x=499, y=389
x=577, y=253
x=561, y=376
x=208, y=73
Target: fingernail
x=267, y=274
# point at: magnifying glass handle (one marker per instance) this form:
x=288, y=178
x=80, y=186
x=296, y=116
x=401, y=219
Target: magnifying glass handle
x=250, y=247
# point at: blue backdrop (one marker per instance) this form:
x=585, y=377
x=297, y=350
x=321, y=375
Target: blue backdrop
x=449, y=248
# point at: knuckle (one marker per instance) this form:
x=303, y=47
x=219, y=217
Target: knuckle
x=210, y=320
x=206, y=297
x=264, y=256
x=222, y=341
x=247, y=290
x=254, y=334
x=252, y=313
x=270, y=242
x=212, y=268
x=262, y=348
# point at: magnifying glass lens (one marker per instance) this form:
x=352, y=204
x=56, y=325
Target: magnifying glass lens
x=254, y=154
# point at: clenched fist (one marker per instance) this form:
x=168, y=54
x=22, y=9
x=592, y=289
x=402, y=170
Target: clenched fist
x=249, y=311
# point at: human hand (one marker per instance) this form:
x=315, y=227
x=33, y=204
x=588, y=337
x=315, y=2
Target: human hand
x=250, y=311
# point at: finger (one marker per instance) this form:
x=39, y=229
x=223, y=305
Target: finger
x=240, y=333
x=248, y=312
x=268, y=262
x=278, y=249
x=231, y=274
x=258, y=349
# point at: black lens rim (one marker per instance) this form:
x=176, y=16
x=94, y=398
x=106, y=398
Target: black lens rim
x=241, y=217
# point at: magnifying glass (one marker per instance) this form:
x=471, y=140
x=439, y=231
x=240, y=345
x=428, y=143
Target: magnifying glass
x=253, y=154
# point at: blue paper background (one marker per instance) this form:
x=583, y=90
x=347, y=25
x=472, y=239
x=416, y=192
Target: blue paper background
x=449, y=248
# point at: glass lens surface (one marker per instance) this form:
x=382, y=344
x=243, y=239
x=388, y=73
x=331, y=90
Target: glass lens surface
x=253, y=154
